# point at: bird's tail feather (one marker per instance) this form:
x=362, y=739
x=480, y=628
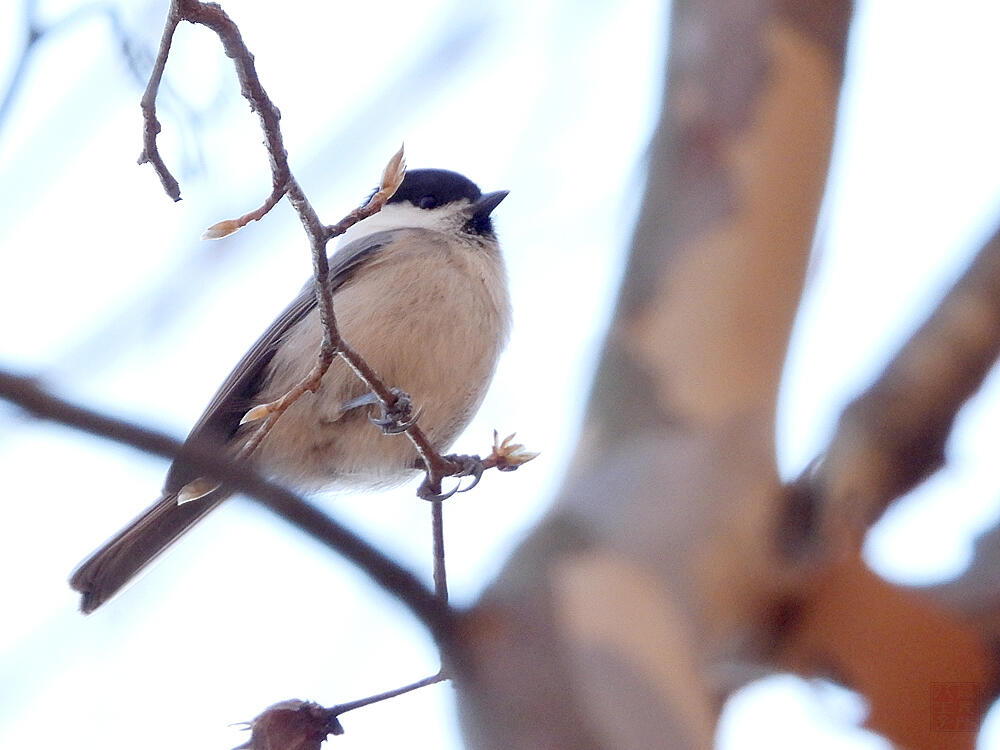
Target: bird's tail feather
x=106, y=571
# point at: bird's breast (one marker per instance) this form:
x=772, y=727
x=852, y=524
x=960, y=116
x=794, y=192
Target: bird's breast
x=429, y=318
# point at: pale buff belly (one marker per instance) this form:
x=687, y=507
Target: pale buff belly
x=437, y=337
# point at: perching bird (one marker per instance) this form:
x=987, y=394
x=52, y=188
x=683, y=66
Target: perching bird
x=420, y=291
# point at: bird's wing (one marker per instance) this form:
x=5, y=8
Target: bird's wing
x=221, y=418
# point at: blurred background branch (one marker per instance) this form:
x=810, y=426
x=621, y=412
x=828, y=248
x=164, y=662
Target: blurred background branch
x=284, y=503
x=658, y=581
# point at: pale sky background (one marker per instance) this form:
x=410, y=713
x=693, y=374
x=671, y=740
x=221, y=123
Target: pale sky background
x=108, y=295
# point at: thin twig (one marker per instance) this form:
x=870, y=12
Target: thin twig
x=437, y=530
x=436, y=465
x=388, y=574
x=343, y=708
x=150, y=125
x=225, y=228
x=32, y=34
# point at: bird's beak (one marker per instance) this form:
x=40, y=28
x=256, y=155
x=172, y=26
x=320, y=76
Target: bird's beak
x=486, y=203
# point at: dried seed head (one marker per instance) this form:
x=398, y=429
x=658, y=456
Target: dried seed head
x=291, y=725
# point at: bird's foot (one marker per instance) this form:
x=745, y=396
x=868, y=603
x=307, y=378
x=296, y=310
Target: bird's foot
x=398, y=416
x=455, y=465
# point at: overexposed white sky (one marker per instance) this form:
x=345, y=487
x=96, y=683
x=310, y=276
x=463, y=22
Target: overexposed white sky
x=553, y=100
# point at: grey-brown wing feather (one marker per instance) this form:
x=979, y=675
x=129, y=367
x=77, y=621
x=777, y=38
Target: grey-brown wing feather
x=113, y=565
x=237, y=394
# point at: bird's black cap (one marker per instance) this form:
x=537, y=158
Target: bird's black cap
x=430, y=188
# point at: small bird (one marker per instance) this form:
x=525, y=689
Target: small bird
x=420, y=291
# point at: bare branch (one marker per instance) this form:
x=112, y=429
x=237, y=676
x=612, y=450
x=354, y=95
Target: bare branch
x=385, y=572
x=225, y=228
x=151, y=126
x=343, y=708
x=893, y=435
x=392, y=178
x=437, y=532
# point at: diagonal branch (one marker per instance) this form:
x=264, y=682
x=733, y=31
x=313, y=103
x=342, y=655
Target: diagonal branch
x=893, y=435
x=385, y=572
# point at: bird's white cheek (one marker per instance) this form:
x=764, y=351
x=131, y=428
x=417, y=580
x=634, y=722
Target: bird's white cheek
x=396, y=216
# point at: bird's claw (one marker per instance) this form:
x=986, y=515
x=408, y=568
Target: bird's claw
x=471, y=466
x=426, y=493
x=466, y=466
x=399, y=416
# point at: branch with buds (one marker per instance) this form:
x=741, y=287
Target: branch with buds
x=392, y=401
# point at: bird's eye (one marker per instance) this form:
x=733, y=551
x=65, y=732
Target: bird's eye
x=427, y=201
